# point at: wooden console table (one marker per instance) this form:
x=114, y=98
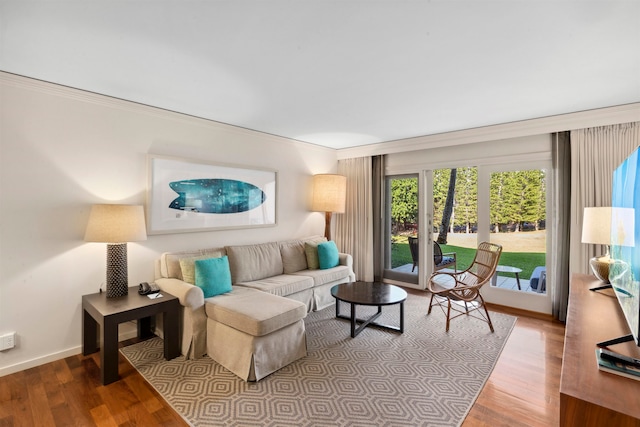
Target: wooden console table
x=588, y=396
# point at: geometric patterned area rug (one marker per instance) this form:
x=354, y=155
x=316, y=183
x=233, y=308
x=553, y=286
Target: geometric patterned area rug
x=423, y=377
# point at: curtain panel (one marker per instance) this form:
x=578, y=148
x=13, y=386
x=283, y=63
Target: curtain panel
x=354, y=228
x=595, y=154
x=561, y=208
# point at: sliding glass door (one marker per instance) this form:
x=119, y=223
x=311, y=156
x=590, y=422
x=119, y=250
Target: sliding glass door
x=439, y=224
x=401, y=242
x=514, y=208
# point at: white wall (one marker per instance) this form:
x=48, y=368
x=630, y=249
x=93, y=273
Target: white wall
x=61, y=151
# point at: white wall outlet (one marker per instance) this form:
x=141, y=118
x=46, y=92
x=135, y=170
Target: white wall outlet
x=7, y=341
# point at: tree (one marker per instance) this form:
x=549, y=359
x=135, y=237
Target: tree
x=448, y=209
x=440, y=189
x=465, y=209
x=497, y=199
x=404, y=200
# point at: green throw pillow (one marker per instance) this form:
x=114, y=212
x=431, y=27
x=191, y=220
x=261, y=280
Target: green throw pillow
x=311, y=251
x=328, y=255
x=213, y=276
x=188, y=268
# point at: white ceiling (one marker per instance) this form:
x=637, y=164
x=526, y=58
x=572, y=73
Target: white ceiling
x=338, y=73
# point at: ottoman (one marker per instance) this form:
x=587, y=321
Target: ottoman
x=254, y=333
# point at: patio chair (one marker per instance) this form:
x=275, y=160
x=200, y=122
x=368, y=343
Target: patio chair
x=460, y=291
x=443, y=260
x=440, y=260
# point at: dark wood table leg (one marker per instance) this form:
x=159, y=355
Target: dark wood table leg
x=89, y=333
x=109, y=352
x=402, y=317
x=353, y=320
x=144, y=328
x=171, y=332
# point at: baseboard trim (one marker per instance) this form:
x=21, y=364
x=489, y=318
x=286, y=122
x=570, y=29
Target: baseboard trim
x=32, y=363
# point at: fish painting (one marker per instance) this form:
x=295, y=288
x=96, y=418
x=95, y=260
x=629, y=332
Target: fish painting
x=216, y=196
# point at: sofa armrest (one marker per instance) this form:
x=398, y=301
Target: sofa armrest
x=193, y=318
x=347, y=259
x=189, y=295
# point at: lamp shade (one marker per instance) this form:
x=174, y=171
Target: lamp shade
x=329, y=193
x=596, y=225
x=116, y=224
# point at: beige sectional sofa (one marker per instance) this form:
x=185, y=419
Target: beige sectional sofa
x=258, y=327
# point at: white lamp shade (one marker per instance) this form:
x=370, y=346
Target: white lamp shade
x=329, y=193
x=596, y=225
x=116, y=224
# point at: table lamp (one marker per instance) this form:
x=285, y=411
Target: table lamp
x=116, y=225
x=596, y=229
x=607, y=226
x=329, y=196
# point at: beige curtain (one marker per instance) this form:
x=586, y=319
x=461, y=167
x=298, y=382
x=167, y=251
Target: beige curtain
x=595, y=154
x=354, y=228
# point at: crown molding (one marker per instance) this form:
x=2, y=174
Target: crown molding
x=562, y=122
x=80, y=95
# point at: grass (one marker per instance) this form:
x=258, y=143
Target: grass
x=527, y=261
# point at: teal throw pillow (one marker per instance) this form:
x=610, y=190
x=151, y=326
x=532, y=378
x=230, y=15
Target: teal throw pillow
x=328, y=255
x=213, y=276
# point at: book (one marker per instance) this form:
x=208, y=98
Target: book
x=617, y=367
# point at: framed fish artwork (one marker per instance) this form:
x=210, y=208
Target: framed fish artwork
x=189, y=196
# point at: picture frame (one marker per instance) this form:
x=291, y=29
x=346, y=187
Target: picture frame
x=185, y=195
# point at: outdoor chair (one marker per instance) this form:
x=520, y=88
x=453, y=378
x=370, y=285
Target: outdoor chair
x=440, y=260
x=460, y=291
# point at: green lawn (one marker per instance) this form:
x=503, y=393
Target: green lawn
x=526, y=261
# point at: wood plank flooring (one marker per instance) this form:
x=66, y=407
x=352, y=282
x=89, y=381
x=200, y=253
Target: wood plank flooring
x=523, y=389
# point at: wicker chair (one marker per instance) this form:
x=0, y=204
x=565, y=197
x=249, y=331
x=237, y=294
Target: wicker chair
x=460, y=291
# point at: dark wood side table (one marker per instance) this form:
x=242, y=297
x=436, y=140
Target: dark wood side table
x=110, y=312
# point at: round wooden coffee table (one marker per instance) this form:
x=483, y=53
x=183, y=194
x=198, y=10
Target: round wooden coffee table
x=369, y=293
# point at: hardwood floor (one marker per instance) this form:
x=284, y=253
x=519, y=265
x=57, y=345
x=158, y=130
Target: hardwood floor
x=523, y=389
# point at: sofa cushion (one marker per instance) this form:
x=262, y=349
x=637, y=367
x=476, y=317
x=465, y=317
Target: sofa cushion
x=293, y=256
x=253, y=312
x=320, y=277
x=213, y=276
x=282, y=285
x=170, y=261
x=254, y=262
x=328, y=255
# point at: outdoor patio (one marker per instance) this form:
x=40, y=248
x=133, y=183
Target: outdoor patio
x=502, y=281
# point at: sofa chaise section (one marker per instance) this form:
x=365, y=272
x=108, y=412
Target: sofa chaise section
x=253, y=333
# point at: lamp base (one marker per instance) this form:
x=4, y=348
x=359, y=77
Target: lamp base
x=327, y=225
x=600, y=268
x=117, y=275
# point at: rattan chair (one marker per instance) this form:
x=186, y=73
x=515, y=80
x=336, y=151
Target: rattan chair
x=460, y=291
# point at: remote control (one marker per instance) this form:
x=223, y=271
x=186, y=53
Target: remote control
x=616, y=357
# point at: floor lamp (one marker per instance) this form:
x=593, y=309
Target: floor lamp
x=329, y=196
x=116, y=225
